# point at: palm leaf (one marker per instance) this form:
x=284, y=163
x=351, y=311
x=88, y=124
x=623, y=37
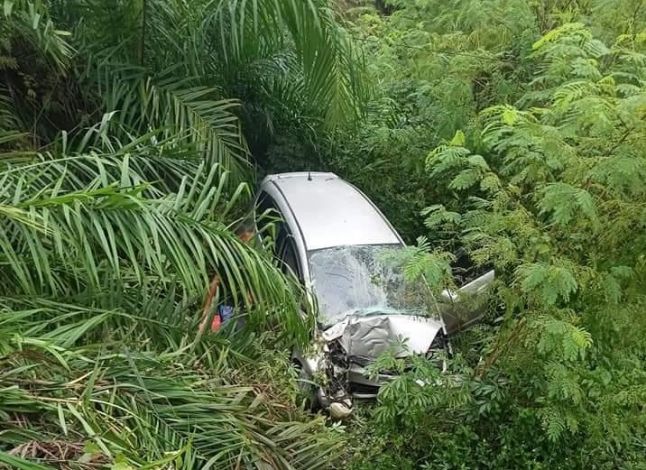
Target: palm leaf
x=320, y=58
x=177, y=107
x=137, y=404
x=29, y=21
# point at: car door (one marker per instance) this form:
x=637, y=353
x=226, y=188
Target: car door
x=466, y=306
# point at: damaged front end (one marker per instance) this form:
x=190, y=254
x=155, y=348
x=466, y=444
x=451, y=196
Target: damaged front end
x=345, y=351
x=368, y=308
x=326, y=367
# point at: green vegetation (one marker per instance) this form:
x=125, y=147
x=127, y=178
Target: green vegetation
x=507, y=133
x=123, y=167
x=520, y=127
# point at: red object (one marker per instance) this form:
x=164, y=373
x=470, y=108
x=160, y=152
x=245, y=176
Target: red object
x=216, y=323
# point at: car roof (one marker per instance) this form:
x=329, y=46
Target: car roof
x=330, y=212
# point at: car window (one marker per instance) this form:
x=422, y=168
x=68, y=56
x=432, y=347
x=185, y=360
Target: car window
x=268, y=218
x=272, y=228
x=289, y=256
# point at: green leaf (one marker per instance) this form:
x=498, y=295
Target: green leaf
x=20, y=463
x=566, y=203
x=546, y=283
x=458, y=139
x=509, y=116
x=465, y=180
x=7, y=7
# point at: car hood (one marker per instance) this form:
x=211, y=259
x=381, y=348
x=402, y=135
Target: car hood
x=370, y=336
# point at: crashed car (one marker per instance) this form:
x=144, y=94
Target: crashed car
x=345, y=253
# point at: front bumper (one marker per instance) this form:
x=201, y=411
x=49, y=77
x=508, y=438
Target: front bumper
x=364, y=386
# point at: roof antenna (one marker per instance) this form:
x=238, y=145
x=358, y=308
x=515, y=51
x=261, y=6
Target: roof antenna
x=309, y=175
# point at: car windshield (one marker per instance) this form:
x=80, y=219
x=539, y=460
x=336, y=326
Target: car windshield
x=363, y=280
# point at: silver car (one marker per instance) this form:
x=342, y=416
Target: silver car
x=346, y=255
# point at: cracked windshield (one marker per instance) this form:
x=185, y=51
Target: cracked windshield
x=364, y=280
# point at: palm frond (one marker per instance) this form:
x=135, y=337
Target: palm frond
x=110, y=235
x=142, y=406
x=177, y=107
x=326, y=64
x=29, y=21
x=80, y=223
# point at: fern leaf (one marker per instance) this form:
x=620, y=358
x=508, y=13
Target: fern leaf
x=563, y=202
x=546, y=283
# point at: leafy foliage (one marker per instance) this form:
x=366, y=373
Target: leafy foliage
x=541, y=179
x=497, y=133
x=122, y=176
x=101, y=266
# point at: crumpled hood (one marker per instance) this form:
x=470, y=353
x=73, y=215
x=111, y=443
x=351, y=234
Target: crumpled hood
x=369, y=337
